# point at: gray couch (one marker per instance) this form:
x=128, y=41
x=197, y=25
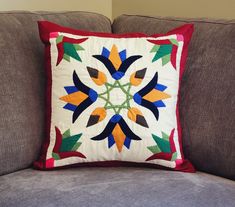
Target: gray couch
x=207, y=114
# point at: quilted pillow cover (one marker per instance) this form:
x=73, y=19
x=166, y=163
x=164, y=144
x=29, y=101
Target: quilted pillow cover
x=113, y=98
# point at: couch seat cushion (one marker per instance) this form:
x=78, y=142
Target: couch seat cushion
x=120, y=186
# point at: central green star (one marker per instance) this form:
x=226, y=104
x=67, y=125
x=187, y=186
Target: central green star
x=125, y=88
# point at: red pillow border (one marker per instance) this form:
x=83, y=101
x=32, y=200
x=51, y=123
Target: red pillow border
x=45, y=28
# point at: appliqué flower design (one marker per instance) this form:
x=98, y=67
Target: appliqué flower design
x=79, y=97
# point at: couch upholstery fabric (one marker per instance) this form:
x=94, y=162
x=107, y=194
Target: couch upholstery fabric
x=207, y=94
x=23, y=81
x=105, y=187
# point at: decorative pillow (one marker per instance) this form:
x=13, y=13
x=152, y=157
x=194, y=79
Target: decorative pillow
x=113, y=97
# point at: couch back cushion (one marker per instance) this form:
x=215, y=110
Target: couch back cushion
x=23, y=81
x=208, y=89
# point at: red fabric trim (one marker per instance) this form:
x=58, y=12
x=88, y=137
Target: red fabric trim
x=186, y=31
x=185, y=166
x=41, y=163
x=45, y=28
x=117, y=163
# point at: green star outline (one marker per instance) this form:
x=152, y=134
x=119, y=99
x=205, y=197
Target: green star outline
x=106, y=96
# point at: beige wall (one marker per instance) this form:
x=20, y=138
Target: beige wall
x=99, y=6
x=112, y=8
x=224, y=9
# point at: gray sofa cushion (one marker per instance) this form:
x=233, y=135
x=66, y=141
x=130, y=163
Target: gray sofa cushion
x=116, y=187
x=208, y=92
x=23, y=81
